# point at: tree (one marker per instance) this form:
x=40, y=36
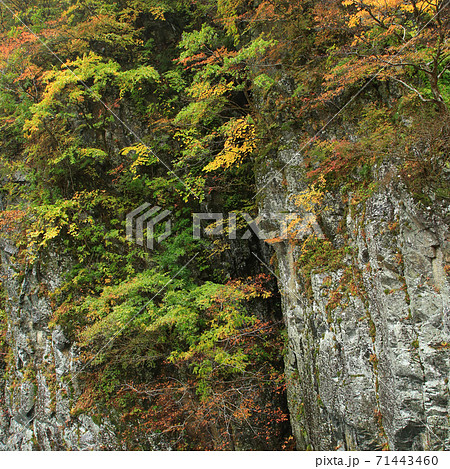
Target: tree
x=399, y=41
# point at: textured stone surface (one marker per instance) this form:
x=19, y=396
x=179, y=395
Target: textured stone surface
x=373, y=371
x=40, y=387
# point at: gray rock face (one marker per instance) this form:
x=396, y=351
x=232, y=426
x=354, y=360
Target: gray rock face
x=40, y=387
x=368, y=357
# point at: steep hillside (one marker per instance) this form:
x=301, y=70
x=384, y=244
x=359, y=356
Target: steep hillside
x=225, y=225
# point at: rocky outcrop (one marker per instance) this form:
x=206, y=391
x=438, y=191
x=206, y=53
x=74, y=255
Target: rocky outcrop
x=367, y=312
x=369, y=321
x=40, y=386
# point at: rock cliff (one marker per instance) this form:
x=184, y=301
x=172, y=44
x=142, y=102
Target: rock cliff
x=40, y=387
x=322, y=110
x=369, y=322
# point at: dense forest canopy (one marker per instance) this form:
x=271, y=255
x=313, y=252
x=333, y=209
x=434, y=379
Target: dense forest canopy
x=105, y=105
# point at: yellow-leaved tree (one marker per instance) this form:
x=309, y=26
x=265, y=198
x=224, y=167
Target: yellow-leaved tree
x=240, y=143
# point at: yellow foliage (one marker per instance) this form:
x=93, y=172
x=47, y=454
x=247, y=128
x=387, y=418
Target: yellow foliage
x=240, y=142
x=311, y=198
x=382, y=8
x=144, y=156
x=204, y=90
x=310, y=204
x=157, y=12
x=227, y=10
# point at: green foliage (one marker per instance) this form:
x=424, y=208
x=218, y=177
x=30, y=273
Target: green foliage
x=182, y=321
x=129, y=79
